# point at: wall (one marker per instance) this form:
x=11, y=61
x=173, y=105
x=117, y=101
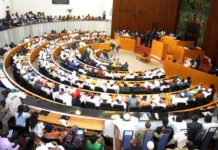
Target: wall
x=138, y=15
x=2, y=9
x=18, y=34
x=187, y=13
x=210, y=43
x=80, y=7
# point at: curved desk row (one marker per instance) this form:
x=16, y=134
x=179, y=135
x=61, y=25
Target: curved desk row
x=38, y=49
x=17, y=34
x=197, y=76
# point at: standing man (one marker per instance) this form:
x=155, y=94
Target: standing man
x=12, y=103
x=147, y=38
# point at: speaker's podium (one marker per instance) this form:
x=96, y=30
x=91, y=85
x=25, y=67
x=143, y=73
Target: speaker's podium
x=159, y=50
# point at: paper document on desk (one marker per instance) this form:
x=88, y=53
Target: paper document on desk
x=64, y=122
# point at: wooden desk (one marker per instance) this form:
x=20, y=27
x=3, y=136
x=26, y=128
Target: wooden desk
x=197, y=76
x=81, y=122
x=183, y=52
x=126, y=43
x=173, y=43
x=159, y=50
x=143, y=57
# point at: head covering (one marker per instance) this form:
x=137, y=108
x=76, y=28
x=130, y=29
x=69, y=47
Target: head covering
x=150, y=145
x=126, y=117
x=74, y=129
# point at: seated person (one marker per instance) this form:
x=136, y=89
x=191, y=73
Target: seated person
x=158, y=133
x=124, y=89
x=53, y=134
x=119, y=101
x=208, y=123
x=94, y=143
x=145, y=102
x=177, y=123
x=132, y=101
x=193, y=128
x=5, y=144
x=125, y=66
x=72, y=139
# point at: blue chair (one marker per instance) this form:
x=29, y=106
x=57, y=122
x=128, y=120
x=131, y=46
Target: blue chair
x=163, y=141
x=127, y=136
x=207, y=138
x=148, y=137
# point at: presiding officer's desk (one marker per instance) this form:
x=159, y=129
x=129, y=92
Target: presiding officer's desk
x=126, y=42
x=178, y=49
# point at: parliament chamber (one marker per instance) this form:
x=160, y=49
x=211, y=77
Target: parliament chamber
x=128, y=79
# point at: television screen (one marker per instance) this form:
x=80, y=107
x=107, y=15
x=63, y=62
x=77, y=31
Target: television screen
x=60, y=1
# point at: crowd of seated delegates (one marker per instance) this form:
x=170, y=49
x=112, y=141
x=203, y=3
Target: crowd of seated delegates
x=67, y=60
x=39, y=83
x=195, y=97
x=88, y=58
x=195, y=64
x=28, y=133
x=69, y=95
x=63, y=92
x=72, y=77
x=65, y=76
x=6, y=48
x=145, y=38
x=14, y=20
x=182, y=134
x=104, y=55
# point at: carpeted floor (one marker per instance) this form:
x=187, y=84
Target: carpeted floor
x=136, y=65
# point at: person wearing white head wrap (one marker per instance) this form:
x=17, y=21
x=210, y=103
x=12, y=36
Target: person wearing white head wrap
x=150, y=145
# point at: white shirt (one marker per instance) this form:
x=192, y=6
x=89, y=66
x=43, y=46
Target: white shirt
x=177, y=126
x=206, y=126
x=126, y=125
x=67, y=99
x=38, y=129
x=106, y=96
x=21, y=120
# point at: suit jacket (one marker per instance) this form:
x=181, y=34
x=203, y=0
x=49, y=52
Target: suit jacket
x=193, y=129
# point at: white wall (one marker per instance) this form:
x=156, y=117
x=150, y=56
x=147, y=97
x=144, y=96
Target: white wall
x=80, y=7
x=2, y=9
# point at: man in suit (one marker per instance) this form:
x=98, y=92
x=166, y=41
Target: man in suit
x=151, y=36
x=159, y=130
x=147, y=38
x=193, y=128
x=125, y=67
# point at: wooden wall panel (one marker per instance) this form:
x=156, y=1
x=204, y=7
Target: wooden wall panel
x=143, y=15
x=210, y=44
